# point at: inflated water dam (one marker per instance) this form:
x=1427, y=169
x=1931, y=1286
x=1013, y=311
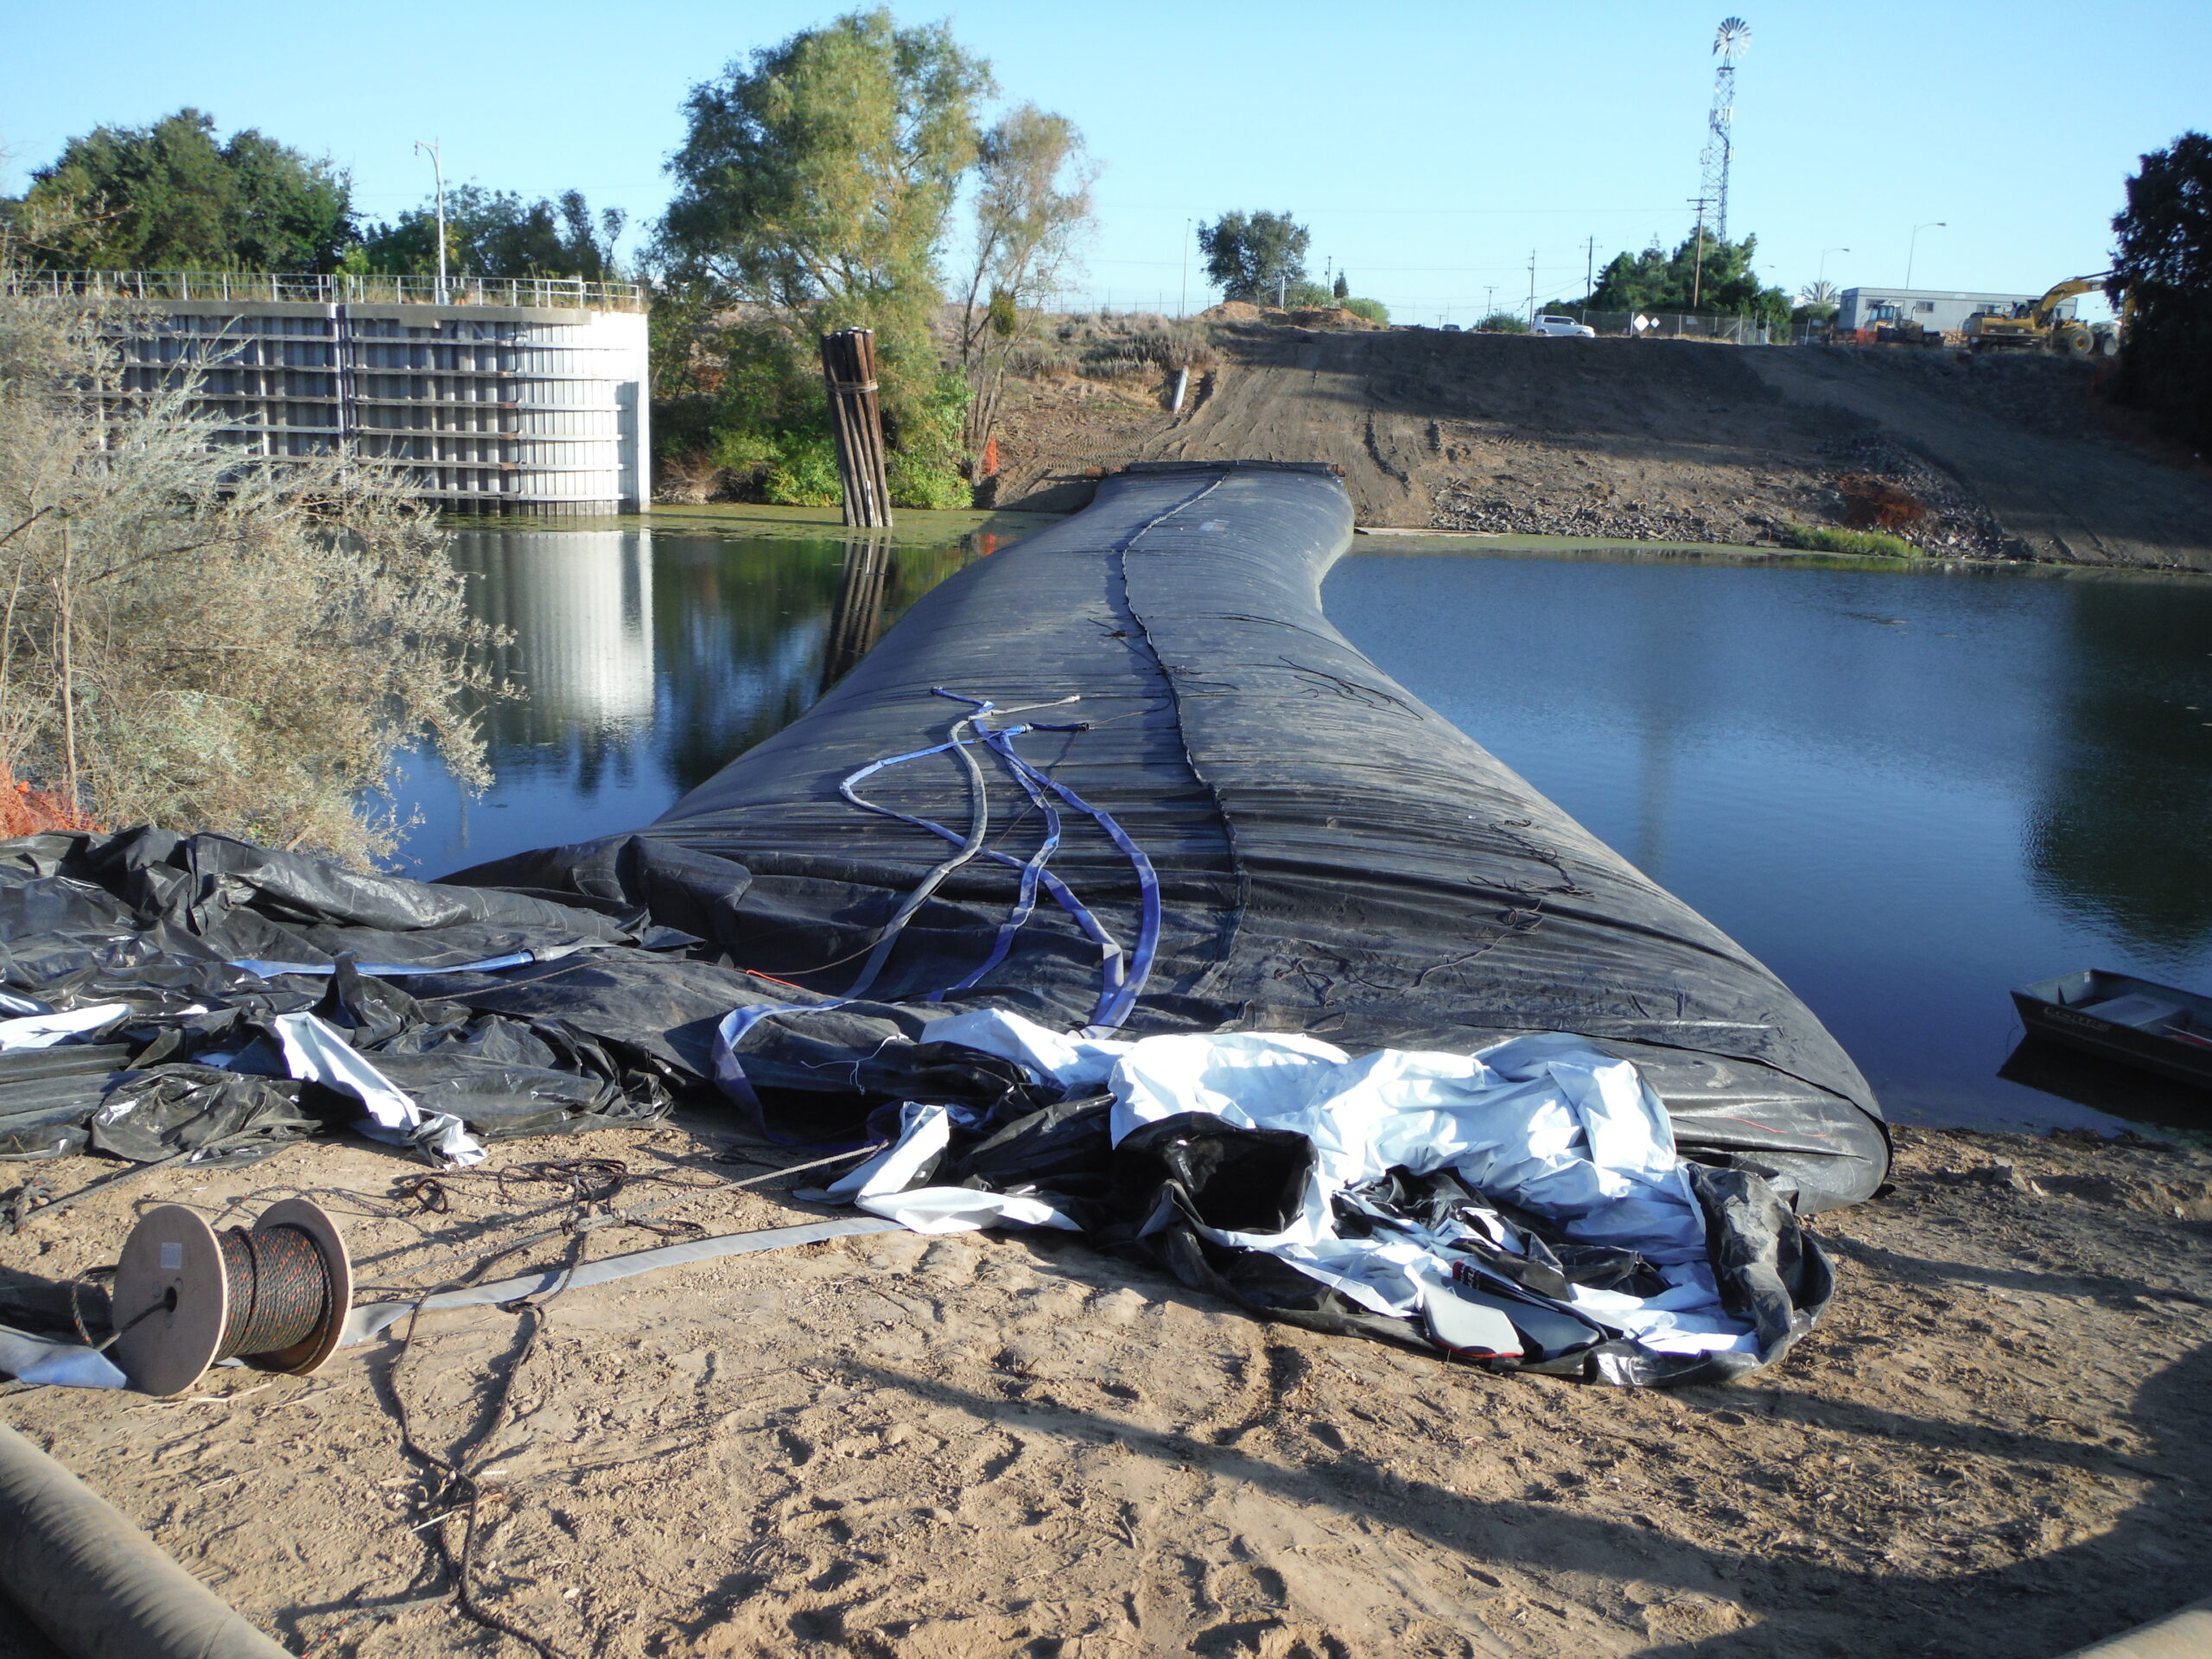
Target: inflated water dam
x=1296, y=842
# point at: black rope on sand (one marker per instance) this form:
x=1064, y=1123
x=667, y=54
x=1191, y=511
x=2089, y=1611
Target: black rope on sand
x=459, y=1489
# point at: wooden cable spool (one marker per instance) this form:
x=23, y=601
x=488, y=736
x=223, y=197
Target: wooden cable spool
x=185, y=1298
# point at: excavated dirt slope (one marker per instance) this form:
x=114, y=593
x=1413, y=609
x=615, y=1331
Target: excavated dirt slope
x=1651, y=441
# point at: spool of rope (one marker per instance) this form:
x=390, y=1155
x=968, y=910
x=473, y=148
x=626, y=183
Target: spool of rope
x=184, y=1299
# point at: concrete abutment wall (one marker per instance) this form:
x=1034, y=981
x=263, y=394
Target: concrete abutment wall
x=481, y=406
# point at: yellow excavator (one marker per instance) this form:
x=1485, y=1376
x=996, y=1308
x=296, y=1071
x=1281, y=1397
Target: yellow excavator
x=2035, y=325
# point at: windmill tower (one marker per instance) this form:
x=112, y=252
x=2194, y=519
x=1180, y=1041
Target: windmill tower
x=1729, y=44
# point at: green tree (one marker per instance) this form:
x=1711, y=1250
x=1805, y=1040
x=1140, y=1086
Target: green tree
x=815, y=185
x=1342, y=290
x=2163, y=269
x=1033, y=203
x=1702, y=274
x=169, y=197
x=496, y=233
x=1253, y=256
x=1305, y=294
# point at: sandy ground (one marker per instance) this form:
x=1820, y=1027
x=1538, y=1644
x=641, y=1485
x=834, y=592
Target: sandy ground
x=1666, y=441
x=892, y=1445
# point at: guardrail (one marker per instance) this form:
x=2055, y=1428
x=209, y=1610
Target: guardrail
x=563, y=293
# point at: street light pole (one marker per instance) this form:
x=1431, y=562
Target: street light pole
x=1913, y=246
x=438, y=174
x=1824, y=260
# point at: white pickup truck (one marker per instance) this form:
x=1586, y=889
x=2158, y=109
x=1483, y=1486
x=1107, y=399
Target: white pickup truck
x=1562, y=327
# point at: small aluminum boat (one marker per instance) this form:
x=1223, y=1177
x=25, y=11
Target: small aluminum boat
x=2139, y=1022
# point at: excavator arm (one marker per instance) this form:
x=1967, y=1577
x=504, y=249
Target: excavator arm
x=2047, y=306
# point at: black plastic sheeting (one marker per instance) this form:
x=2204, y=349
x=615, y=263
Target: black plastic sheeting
x=1250, y=827
x=156, y=925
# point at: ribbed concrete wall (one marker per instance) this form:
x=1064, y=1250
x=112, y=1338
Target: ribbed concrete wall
x=503, y=408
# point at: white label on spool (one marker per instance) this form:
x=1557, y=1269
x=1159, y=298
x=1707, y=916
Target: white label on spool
x=172, y=1256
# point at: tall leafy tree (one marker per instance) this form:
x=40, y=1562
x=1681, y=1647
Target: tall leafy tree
x=1253, y=256
x=2162, y=267
x=169, y=197
x=815, y=183
x=1033, y=202
x=496, y=233
x=818, y=179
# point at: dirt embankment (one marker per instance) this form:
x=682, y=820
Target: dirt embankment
x=1647, y=440
x=904, y=1448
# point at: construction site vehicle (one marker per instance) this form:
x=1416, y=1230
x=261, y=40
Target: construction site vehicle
x=1887, y=325
x=2035, y=325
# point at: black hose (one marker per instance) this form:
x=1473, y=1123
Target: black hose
x=93, y=1583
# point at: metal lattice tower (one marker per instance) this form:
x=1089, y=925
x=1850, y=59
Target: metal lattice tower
x=1730, y=42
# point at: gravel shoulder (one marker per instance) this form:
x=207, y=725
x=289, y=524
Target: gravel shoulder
x=894, y=1445
x=1665, y=441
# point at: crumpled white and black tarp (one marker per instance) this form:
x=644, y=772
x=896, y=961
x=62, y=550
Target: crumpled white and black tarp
x=1125, y=781
x=1524, y=1206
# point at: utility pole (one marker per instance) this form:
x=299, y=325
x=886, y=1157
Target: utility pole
x=438, y=175
x=1589, y=273
x=1489, y=301
x=1532, y=287
x=1697, y=279
x=1183, y=306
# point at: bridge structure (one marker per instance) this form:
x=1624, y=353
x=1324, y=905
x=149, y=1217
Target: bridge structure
x=526, y=395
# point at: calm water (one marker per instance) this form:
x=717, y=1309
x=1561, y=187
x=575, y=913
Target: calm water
x=1905, y=791
x=648, y=657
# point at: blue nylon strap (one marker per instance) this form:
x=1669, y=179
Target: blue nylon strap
x=1119, y=986
x=268, y=969
x=1114, y=1010
x=1024, y=902
x=1111, y=957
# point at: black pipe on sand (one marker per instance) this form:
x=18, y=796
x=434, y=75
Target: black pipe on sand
x=98, y=1586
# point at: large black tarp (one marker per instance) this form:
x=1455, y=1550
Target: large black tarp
x=1167, y=796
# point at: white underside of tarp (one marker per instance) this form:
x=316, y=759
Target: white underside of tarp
x=316, y=1051
x=61, y=1365
x=1546, y=1123
x=45, y=1030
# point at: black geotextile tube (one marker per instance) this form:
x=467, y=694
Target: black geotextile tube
x=1333, y=856
x=95, y=1584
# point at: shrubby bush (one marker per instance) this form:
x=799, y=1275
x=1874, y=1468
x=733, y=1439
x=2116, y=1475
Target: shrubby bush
x=191, y=639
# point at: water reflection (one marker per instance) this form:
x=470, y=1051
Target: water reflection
x=647, y=659
x=857, y=618
x=579, y=609
x=2125, y=817
x=1905, y=791
x=2121, y=1092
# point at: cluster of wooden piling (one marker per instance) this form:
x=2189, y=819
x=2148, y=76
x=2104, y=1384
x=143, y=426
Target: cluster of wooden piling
x=848, y=364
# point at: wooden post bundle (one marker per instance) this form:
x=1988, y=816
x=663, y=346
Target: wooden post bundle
x=848, y=364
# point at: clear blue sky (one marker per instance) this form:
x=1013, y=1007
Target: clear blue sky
x=1431, y=149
